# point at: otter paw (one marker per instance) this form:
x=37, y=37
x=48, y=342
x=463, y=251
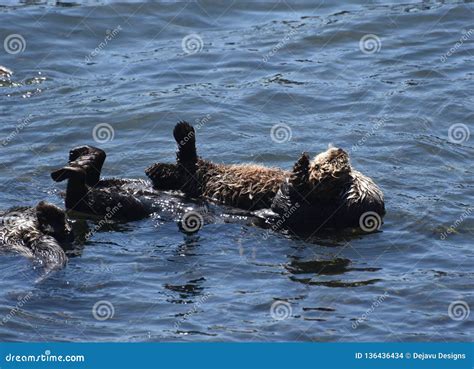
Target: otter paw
x=183, y=132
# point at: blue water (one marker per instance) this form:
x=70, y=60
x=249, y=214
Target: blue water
x=401, y=103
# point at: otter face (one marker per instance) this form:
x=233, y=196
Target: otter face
x=52, y=222
x=329, y=169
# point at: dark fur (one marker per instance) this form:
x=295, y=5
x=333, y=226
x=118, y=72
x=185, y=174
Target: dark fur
x=113, y=198
x=246, y=186
x=327, y=193
x=87, y=193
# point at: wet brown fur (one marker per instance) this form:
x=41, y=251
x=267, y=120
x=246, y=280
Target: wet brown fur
x=246, y=186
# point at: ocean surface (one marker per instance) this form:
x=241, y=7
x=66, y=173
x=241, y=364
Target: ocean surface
x=262, y=82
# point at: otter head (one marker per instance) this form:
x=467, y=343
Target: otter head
x=328, y=171
x=52, y=222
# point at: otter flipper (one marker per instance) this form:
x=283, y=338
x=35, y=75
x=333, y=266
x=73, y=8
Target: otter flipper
x=300, y=175
x=84, y=160
x=185, y=137
x=90, y=159
x=67, y=172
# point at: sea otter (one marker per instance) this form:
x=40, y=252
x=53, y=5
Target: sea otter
x=119, y=199
x=40, y=233
x=87, y=193
x=246, y=186
x=327, y=192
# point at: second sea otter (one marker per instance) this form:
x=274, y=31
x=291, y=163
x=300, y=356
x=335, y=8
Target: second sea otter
x=246, y=186
x=324, y=192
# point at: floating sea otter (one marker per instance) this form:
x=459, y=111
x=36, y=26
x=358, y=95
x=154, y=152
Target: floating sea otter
x=327, y=192
x=121, y=199
x=87, y=193
x=40, y=233
x=246, y=186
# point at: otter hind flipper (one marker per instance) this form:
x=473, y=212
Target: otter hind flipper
x=185, y=137
x=84, y=161
x=91, y=159
x=67, y=172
